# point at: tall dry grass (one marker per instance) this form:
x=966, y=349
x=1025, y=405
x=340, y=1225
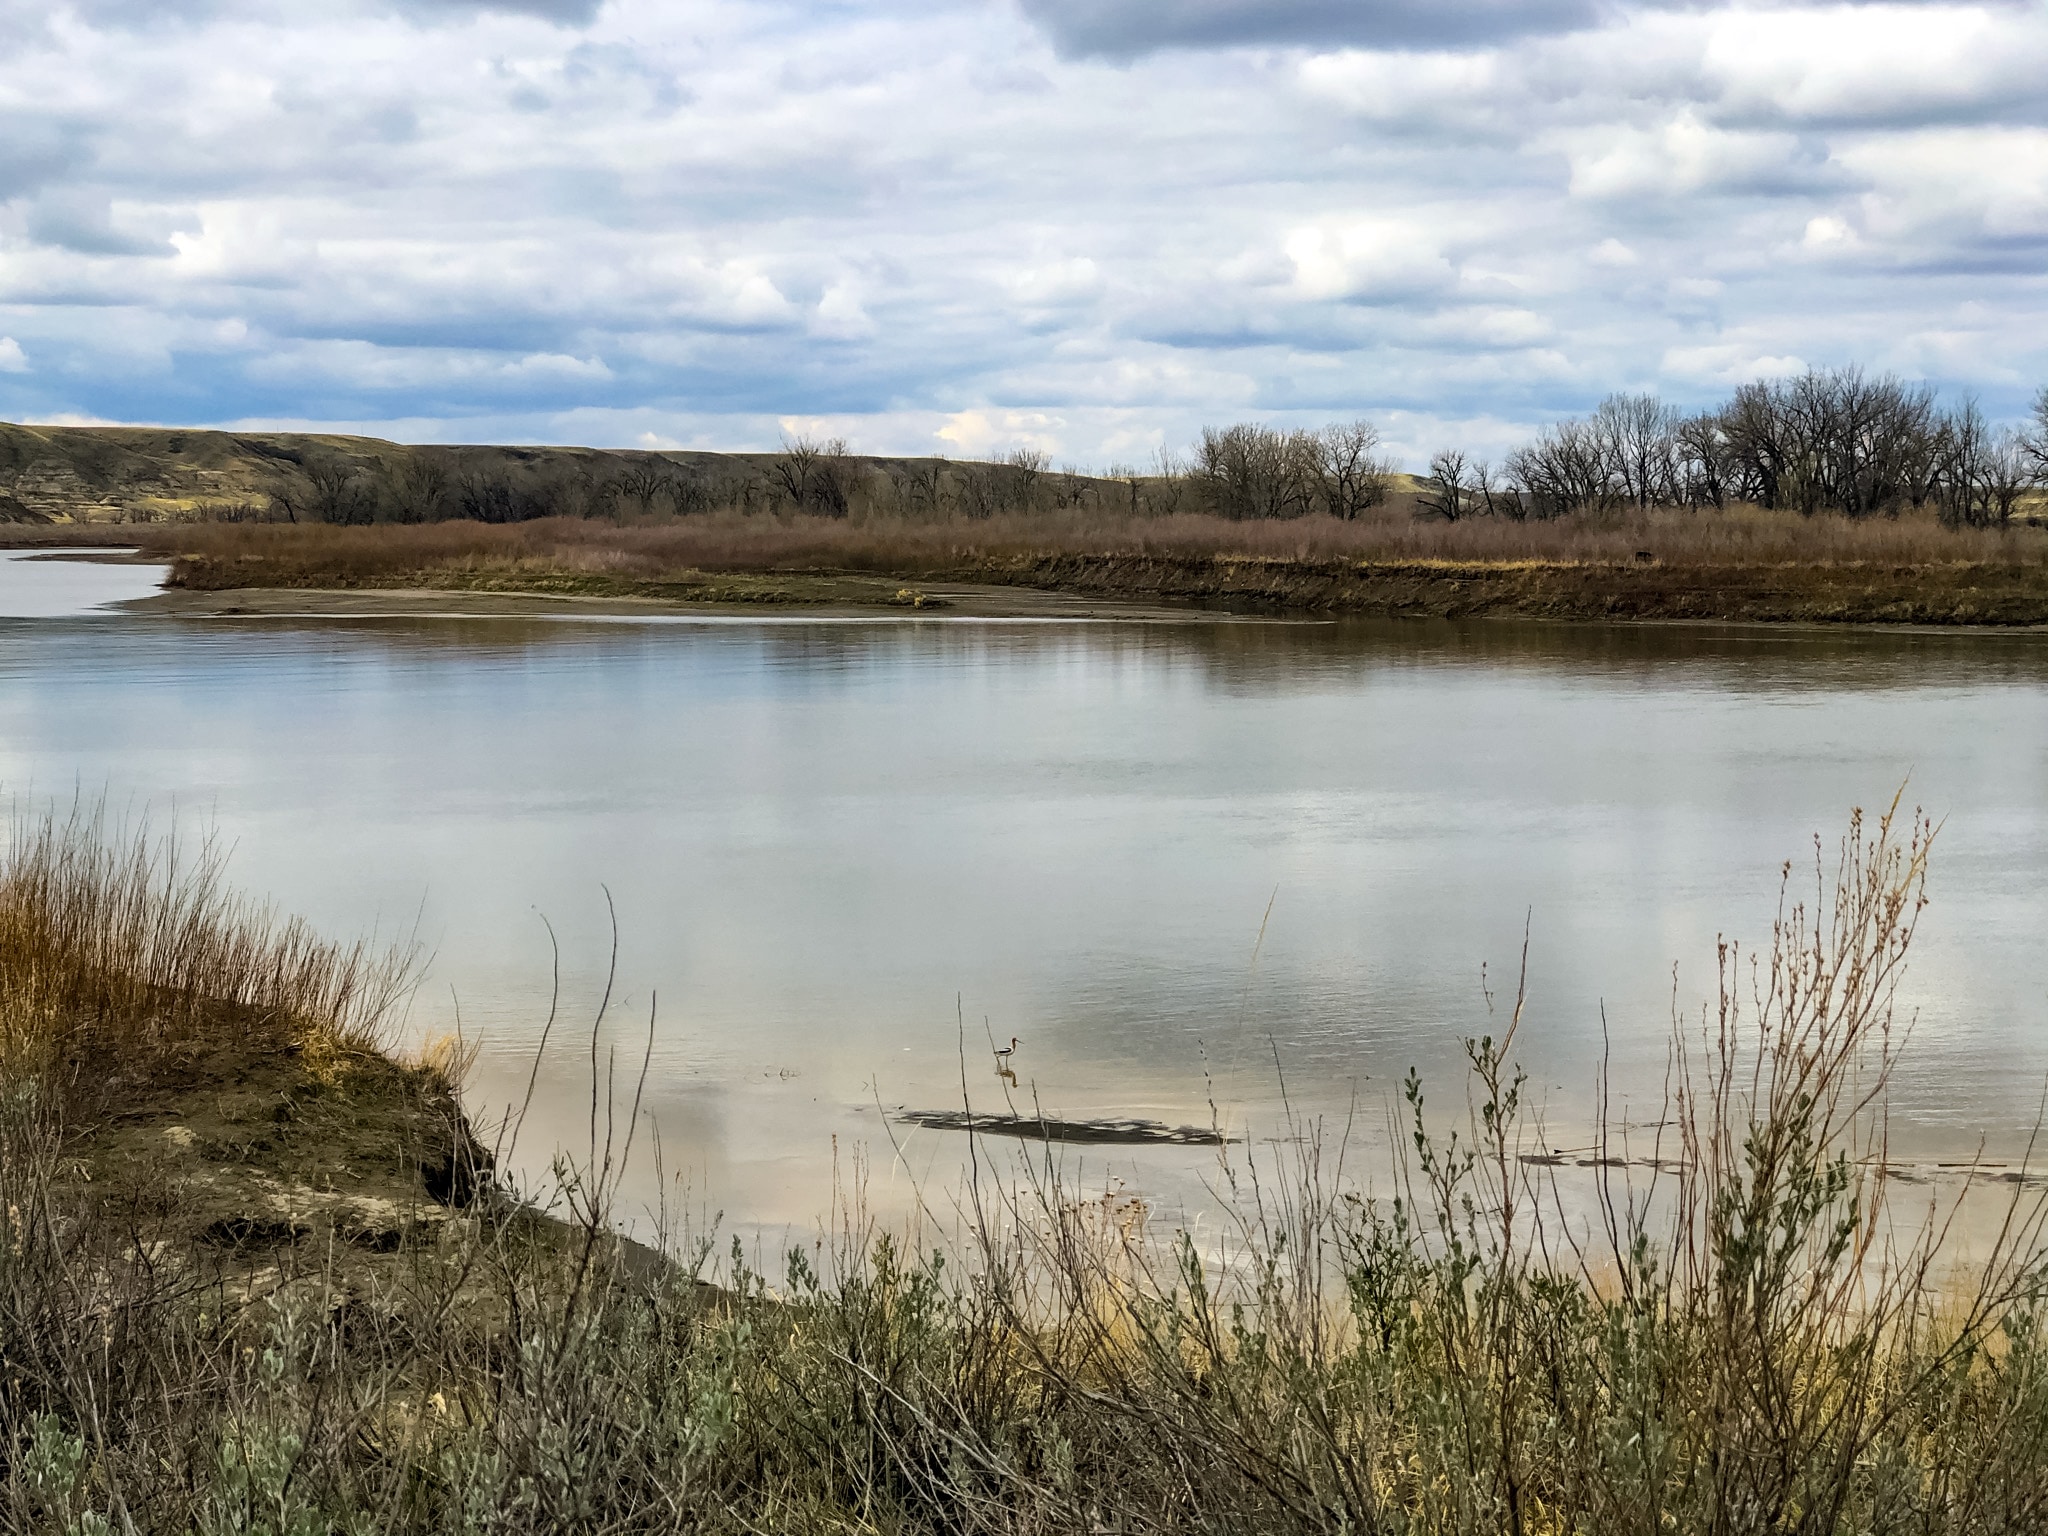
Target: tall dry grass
x=959, y=546
x=120, y=949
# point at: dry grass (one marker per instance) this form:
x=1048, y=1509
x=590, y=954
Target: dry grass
x=119, y=951
x=911, y=546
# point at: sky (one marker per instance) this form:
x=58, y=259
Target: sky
x=963, y=226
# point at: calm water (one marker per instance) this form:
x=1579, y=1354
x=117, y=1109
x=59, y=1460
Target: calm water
x=828, y=842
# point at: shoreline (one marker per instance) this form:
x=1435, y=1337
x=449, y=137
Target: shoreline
x=1405, y=594
x=1946, y=597
x=944, y=601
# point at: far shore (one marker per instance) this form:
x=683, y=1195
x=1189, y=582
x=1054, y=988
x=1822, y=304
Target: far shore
x=871, y=600
x=1742, y=567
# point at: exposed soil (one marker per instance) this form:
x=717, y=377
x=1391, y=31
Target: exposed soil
x=1958, y=593
x=1169, y=586
x=813, y=596
x=248, y=1160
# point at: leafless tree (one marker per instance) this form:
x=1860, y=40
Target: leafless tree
x=1349, y=474
x=1497, y=498
x=813, y=476
x=1169, y=481
x=1638, y=437
x=1700, y=446
x=1981, y=471
x=338, y=493
x=1027, y=468
x=1448, y=491
x=922, y=483
x=2034, y=441
x=1565, y=470
x=419, y=490
x=1254, y=471
x=1834, y=440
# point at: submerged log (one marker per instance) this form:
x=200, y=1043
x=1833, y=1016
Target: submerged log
x=1056, y=1128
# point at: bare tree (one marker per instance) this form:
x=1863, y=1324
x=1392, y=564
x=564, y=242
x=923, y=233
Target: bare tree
x=488, y=497
x=337, y=492
x=1497, y=498
x=1637, y=435
x=813, y=476
x=1981, y=472
x=922, y=483
x=2034, y=441
x=1169, y=481
x=1564, y=471
x=1448, y=490
x=1834, y=440
x=1027, y=466
x=1349, y=474
x=419, y=491
x=1254, y=471
x=1700, y=446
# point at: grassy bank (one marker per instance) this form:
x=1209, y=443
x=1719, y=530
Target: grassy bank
x=1737, y=565
x=1744, y=1341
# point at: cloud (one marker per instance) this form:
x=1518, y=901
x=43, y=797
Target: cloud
x=12, y=358
x=983, y=434
x=1687, y=154
x=1127, y=28
x=1887, y=63
x=568, y=13
x=92, y=226
x=1366, y=259
x=914, y=220
x=158, y=14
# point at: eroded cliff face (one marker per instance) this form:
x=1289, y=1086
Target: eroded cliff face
x=135, y=474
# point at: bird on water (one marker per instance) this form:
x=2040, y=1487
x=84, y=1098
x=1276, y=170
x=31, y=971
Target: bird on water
x=1005, y=1052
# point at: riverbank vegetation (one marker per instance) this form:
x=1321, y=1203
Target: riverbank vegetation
x=1645, y=563
x=1752, y=1333
x=1832, y=497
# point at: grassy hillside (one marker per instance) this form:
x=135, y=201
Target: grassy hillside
x=131, y=475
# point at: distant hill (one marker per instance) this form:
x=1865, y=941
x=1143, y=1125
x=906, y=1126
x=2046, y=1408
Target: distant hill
x=152, y=474
x=161, y=474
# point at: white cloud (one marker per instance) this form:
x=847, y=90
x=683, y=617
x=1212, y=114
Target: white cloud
x=1989, y=182
x=1827, y=232
x=1684, y=154
x=1366, y=258
x=1727, y=363
x=981, y=434
x=1073, y=280
x=12, y=358
x=1874, y=61
x=1395, y=87
x=840, y=315
x=922, y=225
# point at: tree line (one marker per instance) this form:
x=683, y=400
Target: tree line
x=1838, y=440
x=1835, y=440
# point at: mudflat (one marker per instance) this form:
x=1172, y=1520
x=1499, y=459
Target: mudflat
x=847, y=597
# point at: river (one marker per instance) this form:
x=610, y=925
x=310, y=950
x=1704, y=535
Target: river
x=1183, y=863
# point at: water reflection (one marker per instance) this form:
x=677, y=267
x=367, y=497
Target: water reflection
x=51, y=584
x=833, y=846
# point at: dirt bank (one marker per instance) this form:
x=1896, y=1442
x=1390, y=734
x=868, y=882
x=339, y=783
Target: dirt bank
x=1155, y=586
x=812, y=596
